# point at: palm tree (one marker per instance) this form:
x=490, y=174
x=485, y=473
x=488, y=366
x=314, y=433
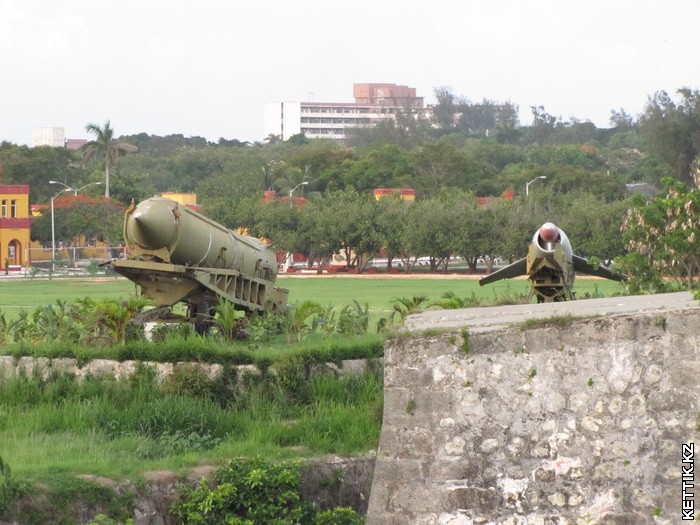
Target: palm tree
x=272, y=139
x=105, y=147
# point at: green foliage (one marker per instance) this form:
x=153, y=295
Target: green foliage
x=45, y=323
x=101, y=519
x=557, y=321
x=163, y=332
x=643, y=276
x=405, y=306
x=510, y=296
x=671, y=129
x=10, y=490
x=188, y=379
x=451, y=301
x=338, y=516
x=57, y=497
x=466, y=344
x=353, y=319
x=299, y=320
x=79, y=216
x=230, y=322
x=255, y=492
x=108, y=321
x=411, y=407
x=666, y=232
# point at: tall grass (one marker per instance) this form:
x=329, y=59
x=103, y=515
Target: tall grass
x=121, y=429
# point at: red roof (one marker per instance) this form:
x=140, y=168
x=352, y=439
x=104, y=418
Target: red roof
x=14, y=188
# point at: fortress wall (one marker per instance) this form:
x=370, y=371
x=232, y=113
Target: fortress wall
x=552, y=425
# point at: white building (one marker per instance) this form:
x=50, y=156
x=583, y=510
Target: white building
x=373, y=103
x=54, y=137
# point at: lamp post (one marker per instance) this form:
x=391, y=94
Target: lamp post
x=527, y=186
x=288, y=256
x=295, y=187
x=53, y=222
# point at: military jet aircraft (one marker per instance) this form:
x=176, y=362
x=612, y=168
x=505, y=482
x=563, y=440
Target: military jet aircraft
x=551, y=266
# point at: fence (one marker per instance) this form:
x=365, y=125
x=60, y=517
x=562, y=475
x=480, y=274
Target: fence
x=73, y=255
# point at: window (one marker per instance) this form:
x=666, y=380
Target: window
x=3, y=212
x=13, y=209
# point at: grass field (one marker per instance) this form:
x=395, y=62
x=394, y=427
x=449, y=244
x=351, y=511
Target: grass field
x=53, y=428
x=377, y=291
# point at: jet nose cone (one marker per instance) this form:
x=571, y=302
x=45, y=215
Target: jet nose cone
x=549, y=232
x=152, y=225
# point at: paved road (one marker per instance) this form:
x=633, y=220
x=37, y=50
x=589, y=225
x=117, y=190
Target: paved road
x=496, y=317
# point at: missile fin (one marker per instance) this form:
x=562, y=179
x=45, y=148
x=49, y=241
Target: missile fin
x=583, y=266
x=516, y=269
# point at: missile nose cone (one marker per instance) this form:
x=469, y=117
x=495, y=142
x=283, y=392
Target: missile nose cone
x=549, y=232
x=152, y=225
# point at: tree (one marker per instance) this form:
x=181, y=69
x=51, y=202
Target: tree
x=393, y=223
x=272, y=139
x=621, y=120
x=37, y=166
x=105, y=147
x=445, y=111
x=667, y=230
x=440, y=165
x=431, y=229
x=593, y=224
x=386, y=167
x=672, y=130
x=543, y=124
x=487, y=116
x=77, y=216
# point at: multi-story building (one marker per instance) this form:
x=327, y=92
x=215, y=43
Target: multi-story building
x=15, y=224
x=374, y=103
x=54, y=137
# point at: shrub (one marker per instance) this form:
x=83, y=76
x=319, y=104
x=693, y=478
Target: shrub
x=338, y=516
x=255, y=492
x=188, y=379
x=231, y=323
x=354, y=320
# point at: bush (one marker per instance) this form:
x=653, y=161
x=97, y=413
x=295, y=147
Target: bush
x=338, y=516
x=188, y=379
x=255, y=492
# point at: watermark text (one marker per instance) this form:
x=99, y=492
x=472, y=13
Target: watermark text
x=687, y=481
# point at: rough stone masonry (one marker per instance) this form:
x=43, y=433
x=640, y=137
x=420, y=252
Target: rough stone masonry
x=568, y=422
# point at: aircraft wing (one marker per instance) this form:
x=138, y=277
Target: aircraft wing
x=583, y=266
x=516, y=269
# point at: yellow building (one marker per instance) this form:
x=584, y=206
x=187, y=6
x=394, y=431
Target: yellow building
x=15, y=225
x=186, y=199
x=405, y=194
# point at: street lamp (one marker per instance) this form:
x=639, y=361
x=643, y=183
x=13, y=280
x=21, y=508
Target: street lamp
x=288, y=256
x=295, y=187
x=53, y=222
x=527, y=186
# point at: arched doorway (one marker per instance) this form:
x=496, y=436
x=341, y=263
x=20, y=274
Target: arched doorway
x=14, y=253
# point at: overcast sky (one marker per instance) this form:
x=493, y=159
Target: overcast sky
x=207, y=67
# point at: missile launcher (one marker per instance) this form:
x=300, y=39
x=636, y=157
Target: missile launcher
x=178, y=255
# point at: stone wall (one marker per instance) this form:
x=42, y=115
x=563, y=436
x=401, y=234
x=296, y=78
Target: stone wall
x=579, y=424
x=120, y=370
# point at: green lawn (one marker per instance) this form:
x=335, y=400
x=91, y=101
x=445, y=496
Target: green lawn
x=378, y=293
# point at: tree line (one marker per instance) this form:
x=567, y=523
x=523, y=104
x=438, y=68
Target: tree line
x=468, y=149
